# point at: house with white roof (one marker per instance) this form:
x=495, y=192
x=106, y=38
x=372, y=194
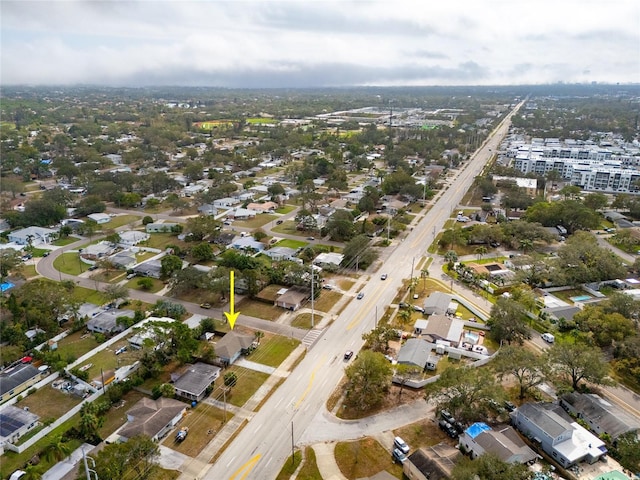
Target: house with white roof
x=33, y=235
x=99, y=218
x=133, y=237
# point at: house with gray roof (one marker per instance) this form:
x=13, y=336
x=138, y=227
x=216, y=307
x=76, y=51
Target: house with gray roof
x=132, y=237
x=432, y=463
x=153, y=418
x=557, y=434
x=125, y=259
x=195, y=380
x=602, y=416
x=232, y=345
x=18, y=378
x=443, y=327
x=278, y=254
x=208, y=209
x=417, y=352
x=33, y=235
x=152, y=268
x=503, y=442
x=438, y=303
x=14, y=423
x=107, y=321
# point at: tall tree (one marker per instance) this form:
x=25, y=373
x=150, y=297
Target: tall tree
x=490, y=467
x=579, y=361
x=369, y=376
x=529, y=369
x=507, y=321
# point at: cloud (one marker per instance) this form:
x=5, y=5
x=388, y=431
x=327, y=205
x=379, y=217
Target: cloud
x=286, y=43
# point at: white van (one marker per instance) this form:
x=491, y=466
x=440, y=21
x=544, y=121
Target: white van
x=548, y=337
x=401, y=445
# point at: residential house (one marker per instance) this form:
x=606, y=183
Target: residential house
x=15, y=423
x=293, y=298
x=278, y=254
x=266, y=207
x=503, y=442
x=601, y=416
x=130, y=238
x=153, y=418
x=18, y=378
x=151, y=268
x=194, y=382
x=417, y=352
x=226, y=202
x=125, y=259
x=241, y=214
x=232, y=345
x=438, y=303
x=32, y=236
x=328, y=259
x=99, y=218
x=247, y=243
x=431, y=463
x=208, y=209
x=443, y=327
x=160, y=227
x=562, y=439
x=97, y=250
x=107, y=321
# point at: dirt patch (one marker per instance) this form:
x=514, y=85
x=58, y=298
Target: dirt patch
x=394, y=398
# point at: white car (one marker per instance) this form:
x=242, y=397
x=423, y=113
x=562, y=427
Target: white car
x=548, y=337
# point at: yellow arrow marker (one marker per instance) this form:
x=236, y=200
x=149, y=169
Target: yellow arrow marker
x=245, y=469
x=231, y=316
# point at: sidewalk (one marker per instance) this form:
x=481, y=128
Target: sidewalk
x=197, y=467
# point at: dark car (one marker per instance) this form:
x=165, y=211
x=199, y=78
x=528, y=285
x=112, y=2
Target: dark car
x=348, y=354
x=278, y=222
x=360, y=296
x=93, y=267
x=447, y=428
x=404, y=305
x=510, y=406
x=446, y=416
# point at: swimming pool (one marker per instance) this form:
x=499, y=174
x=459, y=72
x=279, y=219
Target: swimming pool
x=470, y=337
x=580, y=298
x=6, y=286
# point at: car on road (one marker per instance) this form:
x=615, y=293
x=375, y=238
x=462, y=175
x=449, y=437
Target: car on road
x=279, y=222
x=311, y=238
x=93, y=267
x=360, y=296
x=348, y=354
x=46, y=254
x=383, y=276
x=205, y=305
x=398, y=456
x=548, y=337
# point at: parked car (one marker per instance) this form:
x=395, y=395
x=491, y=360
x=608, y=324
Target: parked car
x=398, y=456
x=401, y=445
x=93, y=267
x=548, y=337
x=447, y=428
x=446, y=416
x=348, y=354
x=279, y=222
x=121, y=350
x=205, y=305
x=510, y=406
x=404, y=305
x=418, y=308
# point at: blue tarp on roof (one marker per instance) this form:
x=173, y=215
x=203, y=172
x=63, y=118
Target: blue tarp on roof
x=6, y=286
x=477, y=428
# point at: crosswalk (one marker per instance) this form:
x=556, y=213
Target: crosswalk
x=311, y=337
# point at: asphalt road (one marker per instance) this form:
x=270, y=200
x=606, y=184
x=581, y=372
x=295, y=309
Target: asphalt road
x=261, y=448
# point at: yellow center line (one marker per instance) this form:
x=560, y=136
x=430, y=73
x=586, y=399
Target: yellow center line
x=311, y=379
x=363, y=313
x=247, y=466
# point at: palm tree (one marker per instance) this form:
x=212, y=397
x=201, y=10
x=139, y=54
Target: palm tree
x=525, y=244
x=31, y=473
x=56, y=450
x=424, y=274
x=413, y=284
x=451, y=257
x=480, y=251
x=404, y=315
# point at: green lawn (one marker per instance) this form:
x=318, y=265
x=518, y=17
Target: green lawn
x=70, y=264
x=257, y=309
x=76, y=345
x=88, y=295
x=120, y=220
x=49, y=403
x=157, y=285
x=286, y=242
x=259, y=221
x=364, y=458
x=286, y=209
x=61, y=242
x=248, y=383
x=162, y=240
x=29, y=271
x=273, y=350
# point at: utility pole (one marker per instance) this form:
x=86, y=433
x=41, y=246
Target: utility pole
x=293, y=460
x=88, y=470
x=312, y=298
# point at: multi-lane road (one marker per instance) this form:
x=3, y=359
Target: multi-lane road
x=261, y=448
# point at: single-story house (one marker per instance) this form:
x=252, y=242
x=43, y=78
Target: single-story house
x=232, y=345
x=15, y=423
x=107, y=321
x=438, y=303
x=125, y=259
x=557, y=434
x=98, y=250
x=418, y=352
x=152, y=268
x=504, y=443
x=432, y=463
x=99, y=218
x=133, y=237
x=32, y=235
x=153, y=418
x=420, y=325
x=241, y=213
x=278, y=254
x=262, y=207
x=293, y=298
x=195, y=381
x=16, y=379
x=601, y=416
x=329, y=258
x=247, y=243
x=443, y=327
x=160, y=227
x=208, y=209
x=226, y=202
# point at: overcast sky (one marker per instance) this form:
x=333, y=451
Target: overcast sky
x=311, y=43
